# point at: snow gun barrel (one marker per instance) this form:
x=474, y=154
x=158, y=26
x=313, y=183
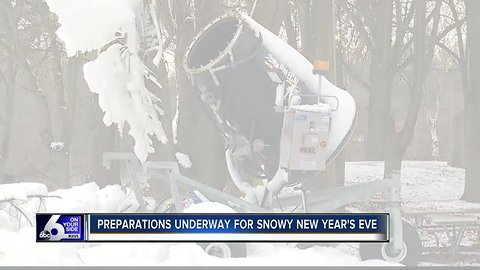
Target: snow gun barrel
x=238, y=66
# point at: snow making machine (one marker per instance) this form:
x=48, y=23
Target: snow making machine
x=281, y=122
x=282, y=125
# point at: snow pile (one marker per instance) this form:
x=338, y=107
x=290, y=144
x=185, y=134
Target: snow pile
x=16, y=246
x=118, y=74
x=89, y=198
x=21, y=191
x=268, y=255
x=16, y=202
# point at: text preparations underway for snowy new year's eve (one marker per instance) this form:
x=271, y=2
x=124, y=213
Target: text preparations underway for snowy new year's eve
x=256, y=227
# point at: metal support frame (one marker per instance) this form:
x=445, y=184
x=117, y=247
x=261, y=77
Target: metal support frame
x=318, y=201
x=394, y=208
x=334, y=198
x=133, y=166
x=135, y=184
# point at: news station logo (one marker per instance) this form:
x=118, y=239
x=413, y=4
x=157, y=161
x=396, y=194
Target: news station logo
x=63, y=228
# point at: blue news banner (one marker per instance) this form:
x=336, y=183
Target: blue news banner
x=278, y=227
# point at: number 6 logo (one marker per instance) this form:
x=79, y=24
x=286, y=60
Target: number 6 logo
x=52, y=224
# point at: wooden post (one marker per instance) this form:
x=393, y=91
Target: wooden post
x=323, y=19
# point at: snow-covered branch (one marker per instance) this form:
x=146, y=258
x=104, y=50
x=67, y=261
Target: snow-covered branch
x=118, y=74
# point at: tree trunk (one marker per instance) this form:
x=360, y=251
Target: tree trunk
x=323, y=37
x=55, y=99
x=472, y=104
x=380, y=122
x=7, y=80
x=86, y=136
x=398, y=142
x=270, y=13
x=322, y=43
x=26, y=138
x=205, y=12
x=291, y=32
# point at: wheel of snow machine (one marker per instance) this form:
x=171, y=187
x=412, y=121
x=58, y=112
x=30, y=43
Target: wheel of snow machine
x=225, y=250
x=410, y=255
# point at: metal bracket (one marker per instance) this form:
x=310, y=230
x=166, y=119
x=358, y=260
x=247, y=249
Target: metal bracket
x=132, y=165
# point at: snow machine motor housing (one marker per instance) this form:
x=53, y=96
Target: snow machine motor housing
x=255, y=85
x=304, y=138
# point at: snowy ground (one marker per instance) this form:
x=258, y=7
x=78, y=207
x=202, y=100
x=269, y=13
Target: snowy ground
x=427, y=185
